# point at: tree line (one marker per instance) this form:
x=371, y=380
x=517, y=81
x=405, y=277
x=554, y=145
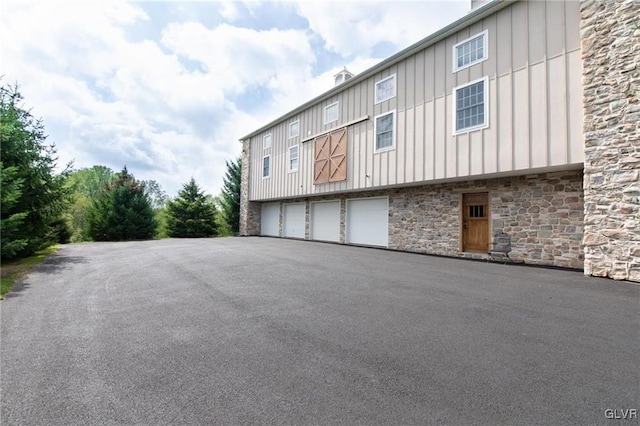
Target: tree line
x=40, y=206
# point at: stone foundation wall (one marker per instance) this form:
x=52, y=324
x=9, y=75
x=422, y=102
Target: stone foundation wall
x=543, y=214
x=249, y=211
x=610, y=33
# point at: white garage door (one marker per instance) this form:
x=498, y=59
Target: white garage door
x=368, y=221
x=270, y=220
x=325, y=221
x=294, y=220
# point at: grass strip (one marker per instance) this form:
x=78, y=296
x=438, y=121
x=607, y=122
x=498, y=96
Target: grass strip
x=12, y=270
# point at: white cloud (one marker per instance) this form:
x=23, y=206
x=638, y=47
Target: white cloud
x=229, y=11
x=355, y=28
x=239, y=58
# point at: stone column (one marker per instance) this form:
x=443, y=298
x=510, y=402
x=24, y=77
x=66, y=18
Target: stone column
x=610, y=35
x=249, y=210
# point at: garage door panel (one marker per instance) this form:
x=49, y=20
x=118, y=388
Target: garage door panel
x=293, y=220
x=325, y=221
x=270, y=220
x=368, y=221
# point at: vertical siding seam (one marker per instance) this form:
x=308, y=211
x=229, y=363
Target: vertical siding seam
x=513, y=103
x=547, y=105
x=528, y=62
x=433, y=117
x=567, y=106
x=424, y=120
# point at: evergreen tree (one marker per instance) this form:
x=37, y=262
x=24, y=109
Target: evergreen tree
x=122, y=211
x=191, y=214
x=230, y=197
x=11, y=242
x=33, y=196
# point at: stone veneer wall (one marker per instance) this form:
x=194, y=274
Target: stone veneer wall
x=610, y=33
x=249, y=211
x=543, y=214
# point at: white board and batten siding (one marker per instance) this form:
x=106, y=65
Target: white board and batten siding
x=293, y=218
x=367, y=221
x=534, y=106
x=270, y=220
x=325, y=221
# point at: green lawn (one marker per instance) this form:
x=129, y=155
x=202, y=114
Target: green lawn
x=13, y=270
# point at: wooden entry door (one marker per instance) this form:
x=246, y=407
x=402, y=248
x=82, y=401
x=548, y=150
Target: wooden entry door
x=475, y=222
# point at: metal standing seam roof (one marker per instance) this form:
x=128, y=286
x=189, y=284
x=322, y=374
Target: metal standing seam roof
x=471, y=18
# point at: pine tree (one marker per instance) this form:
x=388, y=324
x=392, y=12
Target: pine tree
x=33, y=196
x=122, y=211
x=230, y=197
x=191, y=214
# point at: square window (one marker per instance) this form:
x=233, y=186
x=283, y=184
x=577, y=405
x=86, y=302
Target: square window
x=470, y=106
x=294, y=129
x=266, y=141
x=293, y=158
x=386, y=89
x=331, y=113
x=384, y=129
x=470, y=51
x=266, y=166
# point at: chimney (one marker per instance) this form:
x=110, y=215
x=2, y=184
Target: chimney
x=342, y=76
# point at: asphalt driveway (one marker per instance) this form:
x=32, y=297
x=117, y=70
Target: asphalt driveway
x=271, y=331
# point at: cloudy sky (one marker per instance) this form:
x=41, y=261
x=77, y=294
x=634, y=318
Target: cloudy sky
x=168, y=87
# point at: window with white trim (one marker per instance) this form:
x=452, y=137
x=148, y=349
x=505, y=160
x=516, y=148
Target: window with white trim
x=331, y=113
x=294, y=129
x=386, y=89
x=293, y=158
x=384, y=129
x=266, y=166
x=470, y=51
x=266, y=141
x=470, y=110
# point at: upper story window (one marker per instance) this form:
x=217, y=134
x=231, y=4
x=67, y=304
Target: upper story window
x=471, y=108
x=294, y=129
x=470, y=51
x=266, y=141
x=384, y=129
x=293, y=158
x=266, y=166
x=331, y=113
x=386, y=89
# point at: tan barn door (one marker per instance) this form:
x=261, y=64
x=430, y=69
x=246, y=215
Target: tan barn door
x=321, y=160
x=475, y=222
x=330, y=157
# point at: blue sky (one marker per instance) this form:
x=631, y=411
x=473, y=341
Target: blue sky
x=167, y=88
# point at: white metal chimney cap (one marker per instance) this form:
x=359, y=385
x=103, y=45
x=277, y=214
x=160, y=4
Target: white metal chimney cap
x=343, y=76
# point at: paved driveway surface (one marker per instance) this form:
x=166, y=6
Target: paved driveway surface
x=270, y=331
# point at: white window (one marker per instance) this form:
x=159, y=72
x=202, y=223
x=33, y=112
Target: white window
x=294, y=129
x=293, y=158
x=471, y=106
x=386, y=89
x=470, y=51
x=266, y=166
x=266, y=141
x=331, y=113
x=384, y=129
